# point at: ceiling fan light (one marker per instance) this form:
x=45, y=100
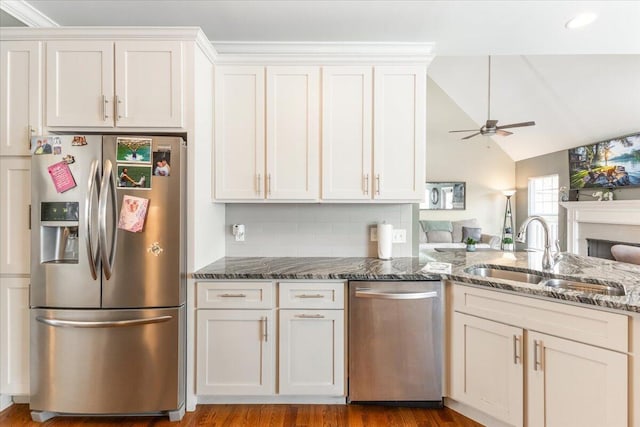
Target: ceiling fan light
x=581, y=20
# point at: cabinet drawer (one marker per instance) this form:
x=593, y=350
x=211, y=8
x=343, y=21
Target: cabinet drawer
x=235, y=295
x=590, y=326
x=327, y=295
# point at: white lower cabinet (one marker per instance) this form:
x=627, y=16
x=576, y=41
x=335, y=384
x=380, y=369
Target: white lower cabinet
x=574, y=384
x=513, y=355
x=235, y=352
x=487, y=361
x=236, y=339
x=311, y=352
x=14, y=336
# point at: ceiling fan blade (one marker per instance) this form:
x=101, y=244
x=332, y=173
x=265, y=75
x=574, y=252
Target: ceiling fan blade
x=503, y=132
x=516, y=125
x=472, y=135
x=491, y=124
x=468, y=130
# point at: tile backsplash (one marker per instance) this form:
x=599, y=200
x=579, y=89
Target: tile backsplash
x=340, y=230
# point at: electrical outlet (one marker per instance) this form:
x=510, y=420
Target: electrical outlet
x=399, y=236
x=373, y=233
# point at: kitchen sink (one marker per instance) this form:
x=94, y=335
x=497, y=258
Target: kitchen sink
x=520, y=276
x=589, y=288
x=517, y=276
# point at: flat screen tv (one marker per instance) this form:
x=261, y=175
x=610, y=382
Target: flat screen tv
x=614, y=163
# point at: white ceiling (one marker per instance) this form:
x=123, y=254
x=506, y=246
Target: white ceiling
x=579, y=86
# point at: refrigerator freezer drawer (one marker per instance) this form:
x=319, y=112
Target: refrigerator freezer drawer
x=107, y=361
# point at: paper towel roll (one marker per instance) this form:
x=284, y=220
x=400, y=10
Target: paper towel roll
x=385, y=237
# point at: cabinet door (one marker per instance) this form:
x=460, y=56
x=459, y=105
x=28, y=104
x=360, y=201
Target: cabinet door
x=14, y=336
x=399, y=132
x=149, y=84
x=235, y=352
x=79, y=83
x=239, y=133
x=574, y=384
x=347, y=133
x=293, y=134
x=486, y=367
x=311, y=352
x=21, y=96
x=15, y=199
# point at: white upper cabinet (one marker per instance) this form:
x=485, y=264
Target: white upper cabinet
x=21, y=95
x=79, y=83
x=347, y=94
x=399, y=137
x=107, y=84
x=149, y=83
x=267, y=136
x=293, y=134
x=239, y=132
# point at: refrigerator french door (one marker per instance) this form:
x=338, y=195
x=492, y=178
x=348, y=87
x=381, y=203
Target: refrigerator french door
x=107, y=300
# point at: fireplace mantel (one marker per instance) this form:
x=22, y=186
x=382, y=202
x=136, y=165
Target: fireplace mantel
x=613, y=212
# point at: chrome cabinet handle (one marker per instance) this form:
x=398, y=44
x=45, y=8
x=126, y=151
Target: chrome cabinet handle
x=366, y=184
x=31, y=131
x=266, y=334
x=233, y=296
x=259, y=184
x=108, y=187
x=269, y=184
x=93, y=185
x=118, y=102
x=309, y=316
x=310, y=296
x=395, y=295
x=517, y=350
x=104, y=324
x=105, y=101
x=537, y=358
x=378, y=184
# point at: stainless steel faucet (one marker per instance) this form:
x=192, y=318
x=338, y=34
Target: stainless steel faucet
x=547, y=259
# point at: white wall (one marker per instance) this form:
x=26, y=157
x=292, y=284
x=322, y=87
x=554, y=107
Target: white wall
x=479, y=162
x=342, y=230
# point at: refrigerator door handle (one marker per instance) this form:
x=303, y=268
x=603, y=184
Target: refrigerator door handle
x=103, y=324
x=108, y=188
x=94, y=185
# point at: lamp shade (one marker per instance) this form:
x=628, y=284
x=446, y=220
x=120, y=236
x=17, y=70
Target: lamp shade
x=508, y=193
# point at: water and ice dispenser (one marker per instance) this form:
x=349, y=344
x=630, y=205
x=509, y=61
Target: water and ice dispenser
x=59, y=232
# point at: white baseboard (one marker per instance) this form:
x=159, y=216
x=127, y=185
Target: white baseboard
x=5, y=402
x=474, y=414
x=309, y=400
x=21, y=399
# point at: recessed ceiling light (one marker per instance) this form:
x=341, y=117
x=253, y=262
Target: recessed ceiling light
x=581, y=20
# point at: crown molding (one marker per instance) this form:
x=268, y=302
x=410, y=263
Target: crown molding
x=103, y=33
x=29, y=15
x=323, y=52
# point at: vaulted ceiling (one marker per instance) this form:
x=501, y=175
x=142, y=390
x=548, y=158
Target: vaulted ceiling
x=579, y=86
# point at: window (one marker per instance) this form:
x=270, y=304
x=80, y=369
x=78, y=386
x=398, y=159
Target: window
x=543, y=201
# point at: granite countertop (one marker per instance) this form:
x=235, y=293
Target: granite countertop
x=586, y=269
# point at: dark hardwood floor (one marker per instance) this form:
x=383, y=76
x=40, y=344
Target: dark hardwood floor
x=264, y=415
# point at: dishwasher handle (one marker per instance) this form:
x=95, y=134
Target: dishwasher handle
x=368, y=293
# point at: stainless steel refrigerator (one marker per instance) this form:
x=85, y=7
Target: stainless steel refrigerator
x=108, y=278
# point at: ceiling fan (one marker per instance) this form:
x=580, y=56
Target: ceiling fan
x=490, y=127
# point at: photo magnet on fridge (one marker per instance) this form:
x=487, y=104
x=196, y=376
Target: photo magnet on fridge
x=133, y=213
x=41, y=145
x=161, y=163
x=132, y=176
x=79, y=140
x=133, y=150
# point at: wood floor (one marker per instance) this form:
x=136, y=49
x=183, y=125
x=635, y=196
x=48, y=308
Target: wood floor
x=263, y=415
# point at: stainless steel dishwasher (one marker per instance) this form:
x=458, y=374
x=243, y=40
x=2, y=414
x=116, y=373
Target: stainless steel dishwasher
x=395, y=343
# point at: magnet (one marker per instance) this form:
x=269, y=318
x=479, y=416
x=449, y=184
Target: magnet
x=155, y=249
x=79, y=140
x=133, y=213
x=68, y=159
x=62, y=177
